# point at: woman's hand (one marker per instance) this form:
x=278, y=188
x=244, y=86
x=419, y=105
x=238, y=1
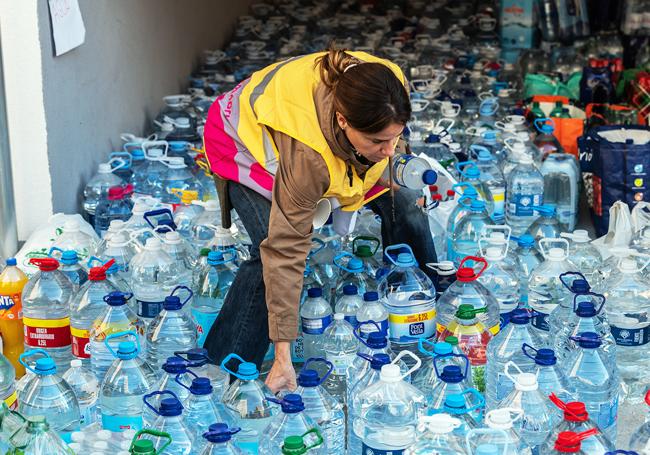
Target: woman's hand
x=282, y=375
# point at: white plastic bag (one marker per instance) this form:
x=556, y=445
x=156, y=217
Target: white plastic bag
x=41, y=240
x=640, y=216
x=620, y=231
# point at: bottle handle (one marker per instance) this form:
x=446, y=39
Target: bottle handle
x=125, y=295
x=462, y=165
x=319, y=246
x=177, y=379
x=357, y=330
x=527, y=354
x=570, y=274
x=425, y=351
x=367, y=238
x=319, y=438
x=30, y=353
x=146, y=397
x=158, y=434
x=540, y=122
x=121, y=334
x=458, y=185
x=445, y=120
x=480, y=401
x=395, y=247
x=595, y=295
x=127, y=162
x=329, y=364
x=227, y=359
x=339, y=257
x=158, y=212
x=474, y=259
x=146, y=145
x=462, y=356
x=191, y=294
x=54, y=248
x=476, y=148
x=418, y=362
x=120, y=163
x=546, y=240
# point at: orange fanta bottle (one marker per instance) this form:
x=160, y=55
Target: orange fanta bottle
x=12, y=282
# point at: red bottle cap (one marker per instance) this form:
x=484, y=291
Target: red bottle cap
x=45, y=264
x=99, y=273
x=115, y=193
x=570, y=442
x=466, y=274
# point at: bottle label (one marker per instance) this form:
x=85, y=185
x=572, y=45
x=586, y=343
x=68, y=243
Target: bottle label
x=418, y=325
x=540, y=321
x=315, y=326
x=119, y=423
x=352, y=319
x=204, y=323
x=298, y=350
x=11, y=400
x=399, y=167
x=366, y=329
x=80, y=340
x=11, y=307
x=149, y=309
x=47, y=333
x=631, y=337
x=367, y=450
x=522, y=204
x=341, y=363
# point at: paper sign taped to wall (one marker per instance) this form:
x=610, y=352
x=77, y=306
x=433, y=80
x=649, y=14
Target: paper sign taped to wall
x=68, y=27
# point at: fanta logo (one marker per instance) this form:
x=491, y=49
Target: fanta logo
x=6, y=302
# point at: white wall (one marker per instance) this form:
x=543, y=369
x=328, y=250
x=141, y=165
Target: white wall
x=66, y=113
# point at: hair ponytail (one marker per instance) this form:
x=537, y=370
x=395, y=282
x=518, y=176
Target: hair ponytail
x=369, y=95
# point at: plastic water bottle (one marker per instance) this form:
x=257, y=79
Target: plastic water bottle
x=576, y=287
x=127, y=380
x=186, y=212
x=174, y=375
x=38, y=436
x=584, y=255
x=349, y=304
x=410, y=171
x=46, y=311
x=290, y=422
x=467, y=290
x=10, y=422
x=152, y=278
x=372, y=310
x=72, y=238
x=49, y=395
x=501, y=420
x=139, y=445
x=155, y=153
x=322, y=407
x=116, y=206
x=545, y=289
x=551, y=376
x=178, y=178
x=116, y=317
x=227, y=240
x=213, y=281
x=527, y=258
x=506, y=347
x=69, y=266
x=536, y=423
x=352, y=273
x=493, y=181
x=387, y=412
x=340, y=347
x=471, y=174
x=86, y=388
x=246, y=399
x=435, y=436
x=97, y=187
x=446, y=275
x=467, y=232
x=86, y=306
x=183, y=254
x=546, y=225
x=452, y=379
x=315, y=317
x=594, y=380
x=218, y=440
x=640, y=439
x=198, y=360
x=170, y=421
x=7, y=386
x=466, y=192
x=628, y=304
x=201, y=228
x=502, y=281
x=121, y=250
x=525, y=189
x=171, y=330
x=576, y=419
x=427, y=377
x=410, y=299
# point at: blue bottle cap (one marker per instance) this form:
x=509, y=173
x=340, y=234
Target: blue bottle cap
x=11, y=261
x=69, y=257
x=378, y=361
x=170, y=407
x=377, y=340
x=215, y=257
x=314, y=293
x=45, y=366
x=349, y=289
x=451, y=374
x=580, y=286
x=589, y=340
x=292, y=404
x=174, y=365
x=468, y=189
x=137, y=154
x=219, y=432
x=455, y=401
x=116, y=298
x=432, y=139
x=172, y=303
x=248, y=371
x=484, y=155
x=586, y=310
x=489, y=136
x=201, y=386
x=442, y=348
x=370, y=296
x=308, y=378
x=406, y=260
x=486, y=449
x=197, y=357
x=472, y=172
x=217, y=426
x=355, y=265
x=526, y=241
x=127, y=350
x=429, y=177
x=477, y=205
x=177, y=146
x=519, y=316
x=545, y=357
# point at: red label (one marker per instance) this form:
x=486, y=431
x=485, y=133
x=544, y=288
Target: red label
x=46, y=337
x=80, y=345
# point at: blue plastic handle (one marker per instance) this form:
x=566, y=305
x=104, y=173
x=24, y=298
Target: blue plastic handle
x=329, y=364
x=121, y=334
x=423, y=350
x=540, y=122
x=340, y=265
x=357, y=330
x=31, y=352
x=191, y=294
x=146, y=397
x=461, y=356
x=159, y=212
x=570, y=274
x=597, y=296
x=395, y=247
x=54, y=248
x=455, y=187
x=126, y=295
x=227, y=359
x=177, y=378
x=460, y=167
x=479, y=397
x=319, y=246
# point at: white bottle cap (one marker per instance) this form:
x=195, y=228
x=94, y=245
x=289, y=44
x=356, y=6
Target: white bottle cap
x=176, y=162
x=118, y=240
x=154, y=153
x=390, y=373
x=440, y=423
x=526, y=382
x=152, y=244
x=75, y=363
x=493, y=254
x=104, y=168
x=499, y=419
x=172, y=238
x=183, y=122
x=339, y=316
x=580, y=236
x=556, y=254
x=115, y=225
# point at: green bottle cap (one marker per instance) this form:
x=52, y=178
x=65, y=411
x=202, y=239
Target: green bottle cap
x=204, y=251
x=452, y=340
x=363, y=251
x=142, y=446
x=294, y=445
x=466, y=311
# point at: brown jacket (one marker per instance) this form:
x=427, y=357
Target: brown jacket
x=301, y=180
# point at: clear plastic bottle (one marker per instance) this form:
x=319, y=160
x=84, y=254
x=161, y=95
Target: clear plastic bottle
x=127, y=380
x=201, y=228
x=467, y=290
x=178, y=178
x=73, y=238
x=155, y=153
x=435, y=436
x=387, y=412
x=292, y=421
x=503, y=420
x=169, y=421
x=349, y=304
x=551, y=375
x=562, y=178
x=502, y=281
x=152, y=278
x=218, y=441
x=628, y=305
x=246, y=399
x=594, y=380
x=70, y=266
x=97, y=188
x=467, y=232
x=120, y=249
x=86, y=306
x=212, y=284
x=545, y=288
x=48, y=395
x=545, y=141
x=471, y=174
x=86, y=388
x=325, y=410
x=427, y=376
x=38, y=437
x=175, y=375
x=575, y=285
x=172, y=330
x=411, y=172
x=116, y=206
x=452, y=379
x=315, y=317
x=576, y=419
x=466, y=193
x=198, y=360
x=186, y=212
x=410, y=299
x=506, y=347
x=138, y=165
x=353, y=272
x=546, y=226
x=640, y=439
x=536, y=423
x=46, y=311
x=372, y=310
x=340, y=347
x=584, y=255
x=8, y=394
x=525, y=189
x=183, y=255
x=493, y=181
x=527, y=258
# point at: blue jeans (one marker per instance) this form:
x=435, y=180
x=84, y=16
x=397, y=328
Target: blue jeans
x=242, y=324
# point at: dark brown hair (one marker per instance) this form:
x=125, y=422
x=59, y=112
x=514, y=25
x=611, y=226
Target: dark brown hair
x=369, y=95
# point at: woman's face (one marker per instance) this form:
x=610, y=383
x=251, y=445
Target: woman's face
x=372, y=146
